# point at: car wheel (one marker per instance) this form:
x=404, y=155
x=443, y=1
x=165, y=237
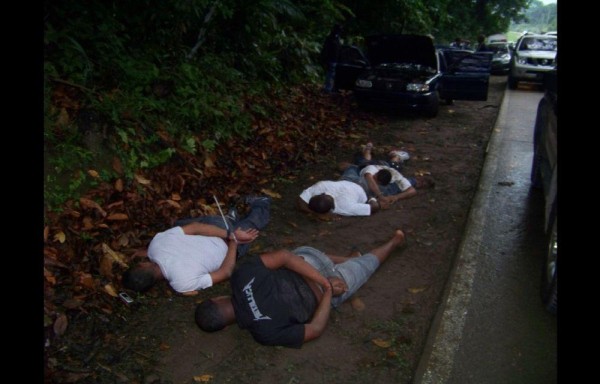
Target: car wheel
x=536, y=174
x=549, y=279
x=433, y=108
x=512, y=82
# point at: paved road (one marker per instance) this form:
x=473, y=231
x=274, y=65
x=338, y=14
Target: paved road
x=492, y=327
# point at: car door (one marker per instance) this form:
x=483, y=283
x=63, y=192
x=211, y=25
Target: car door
x=351, y=63
x=466, y=76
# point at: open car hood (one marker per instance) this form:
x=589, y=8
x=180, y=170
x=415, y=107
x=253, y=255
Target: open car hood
x=415, y=49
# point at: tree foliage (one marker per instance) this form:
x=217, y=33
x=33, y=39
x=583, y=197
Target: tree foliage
x=538, y=18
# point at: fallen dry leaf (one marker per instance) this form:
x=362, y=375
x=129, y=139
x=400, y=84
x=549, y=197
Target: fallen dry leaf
x=93, y=173
x=203, y=378
x=142, y=180
x=119, y=185
x=117, y=216
x=268, y=192
x=86, y=280
x=49, y=277
x=116, y=256
x=110, y=290
x=382, y=343
x=88, y=203
x=60, y=237
x=60, y=324
x=106, y=263
x=117, y=165
x=87, y=223
x=416, y=290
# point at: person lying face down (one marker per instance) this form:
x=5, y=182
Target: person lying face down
x=284, y=298
x=198, y=252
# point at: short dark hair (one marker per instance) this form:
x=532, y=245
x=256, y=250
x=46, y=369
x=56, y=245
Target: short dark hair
x=383, y=177
x=321, y=203
x=138, y=279
x=208, y=316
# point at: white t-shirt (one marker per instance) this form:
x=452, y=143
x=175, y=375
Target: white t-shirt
x=350, y=198
x=397, y=177
x=186, y=261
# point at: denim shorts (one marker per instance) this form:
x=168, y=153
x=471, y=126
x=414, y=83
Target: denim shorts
x=355, y=271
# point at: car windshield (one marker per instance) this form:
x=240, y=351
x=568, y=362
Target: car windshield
x=497, y=48
x=537, y=44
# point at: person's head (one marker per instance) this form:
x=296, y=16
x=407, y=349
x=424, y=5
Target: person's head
x=424, y=182
x=214, y=314
x=383, y=177
x=481, y=39
x=322, y=203
x=337, y=29
x=140, y=277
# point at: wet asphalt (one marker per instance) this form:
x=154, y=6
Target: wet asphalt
x=492, y=327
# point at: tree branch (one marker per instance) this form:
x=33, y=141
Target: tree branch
x=202, y=32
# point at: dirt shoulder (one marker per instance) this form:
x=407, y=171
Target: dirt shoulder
x=376, y=337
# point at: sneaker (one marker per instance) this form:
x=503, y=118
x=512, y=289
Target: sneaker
x=404, y=156
x=232, y=214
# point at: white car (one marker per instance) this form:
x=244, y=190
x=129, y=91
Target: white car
x=533, y=56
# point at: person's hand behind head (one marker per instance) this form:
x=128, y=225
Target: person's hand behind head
x=339, y=285
x=245, y=235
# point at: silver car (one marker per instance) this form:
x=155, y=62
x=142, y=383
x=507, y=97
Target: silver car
x=533, y=56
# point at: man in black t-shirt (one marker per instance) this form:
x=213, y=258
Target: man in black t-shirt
x=284, y=298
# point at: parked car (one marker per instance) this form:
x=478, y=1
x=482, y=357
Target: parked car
x=533, y=56
x=408, y=72
x=501, y=57
x=544, y=173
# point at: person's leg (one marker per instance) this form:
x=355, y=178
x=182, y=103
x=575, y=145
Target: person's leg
x=351, y=174
x=257, y=218
x=259, y=215
x=329, y=77
x=357, y=270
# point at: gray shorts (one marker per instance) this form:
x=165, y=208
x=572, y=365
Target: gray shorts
x=355, y=271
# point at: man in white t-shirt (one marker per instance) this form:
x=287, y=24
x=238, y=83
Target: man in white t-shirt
x=369, y=174
x=199, y=252
x=341, y=197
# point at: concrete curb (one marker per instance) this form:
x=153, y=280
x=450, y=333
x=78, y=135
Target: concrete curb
x=445, y=334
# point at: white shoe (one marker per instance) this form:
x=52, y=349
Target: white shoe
x=401, y=154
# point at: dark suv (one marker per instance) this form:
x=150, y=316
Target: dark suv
x=408, y=72
x=544, y=172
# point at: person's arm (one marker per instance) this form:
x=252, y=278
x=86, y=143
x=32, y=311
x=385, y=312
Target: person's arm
x=226, y=268
x=375, y=205
x=241, y=235
x=408, y=193
x=302, y=205
x=317, y=324
x=373, y=186
x=283, y=258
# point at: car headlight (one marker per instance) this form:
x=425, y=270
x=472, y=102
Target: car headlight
x=521, y=60
x=417, y=87
x=364, y=83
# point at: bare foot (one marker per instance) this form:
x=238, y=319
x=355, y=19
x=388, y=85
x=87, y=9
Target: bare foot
x=399, y=238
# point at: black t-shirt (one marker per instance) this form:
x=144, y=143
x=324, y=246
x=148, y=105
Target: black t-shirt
x=273, y=305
